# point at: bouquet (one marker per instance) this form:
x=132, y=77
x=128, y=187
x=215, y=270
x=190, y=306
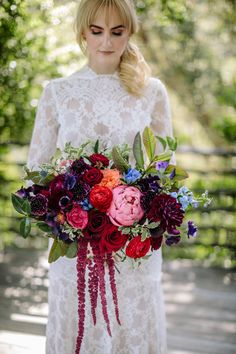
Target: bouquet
x=100, y=209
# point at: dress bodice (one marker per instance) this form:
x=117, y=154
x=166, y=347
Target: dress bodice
x=86, y=105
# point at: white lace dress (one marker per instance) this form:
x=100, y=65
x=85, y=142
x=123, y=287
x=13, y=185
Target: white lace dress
x=90, y=105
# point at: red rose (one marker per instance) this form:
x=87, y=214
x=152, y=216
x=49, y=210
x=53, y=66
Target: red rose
x=77, y=217
x=99, y=160
x=137, y=248
x=93, y=176
x=112, y=239
x=97, y=221
x=100, y=197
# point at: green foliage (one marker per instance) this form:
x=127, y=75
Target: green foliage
x=23, y=61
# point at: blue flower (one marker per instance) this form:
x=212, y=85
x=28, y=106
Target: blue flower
x=192, y=229
x=174, y=195
x=86, y=205
x=132, y=175
x=184, y=202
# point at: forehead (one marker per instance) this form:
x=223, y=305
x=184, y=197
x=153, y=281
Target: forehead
x=108, y=17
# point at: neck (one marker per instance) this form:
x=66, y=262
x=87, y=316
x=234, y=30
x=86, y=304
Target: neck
x=99, y=69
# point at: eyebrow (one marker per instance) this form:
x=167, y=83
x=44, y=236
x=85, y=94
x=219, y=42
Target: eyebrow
x=119, y=26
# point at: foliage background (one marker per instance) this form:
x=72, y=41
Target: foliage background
x=189, y=46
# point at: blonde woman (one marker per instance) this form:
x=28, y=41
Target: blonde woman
x=111, y=97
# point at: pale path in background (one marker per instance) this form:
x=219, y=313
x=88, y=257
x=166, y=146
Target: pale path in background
x=200, y=306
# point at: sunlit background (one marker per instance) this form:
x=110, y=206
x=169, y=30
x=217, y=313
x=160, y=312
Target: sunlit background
x=189, y=46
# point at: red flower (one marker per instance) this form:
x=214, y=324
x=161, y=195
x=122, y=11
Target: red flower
x=137, y=248
x=167, y=210
x=97, y=221
x=93, y=176
x=112, y=239
x=100, y=197
x=99, y=160
x=77, y=217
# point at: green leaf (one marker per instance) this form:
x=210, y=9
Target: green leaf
x=25, y=227
x=64, y=247
x=172, y=143
x=162, y=141
x=165, y=156
x=26, y=207
x=137, y=151
x=72, y=250
x=120, y=163
x=180, y=173
x=125, y=231
x=17, y=203
x=96, y=146
x=145, y=234
x=149, y=142
x=152, y=225
x=44, y=227
x=55, y=252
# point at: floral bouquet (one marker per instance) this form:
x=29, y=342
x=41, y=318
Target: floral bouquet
x=100, y=209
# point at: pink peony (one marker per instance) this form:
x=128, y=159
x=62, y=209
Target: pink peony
x=77, y=217
x=125, y=207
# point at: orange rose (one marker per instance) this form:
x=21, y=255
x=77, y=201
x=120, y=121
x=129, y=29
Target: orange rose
x=111, y=178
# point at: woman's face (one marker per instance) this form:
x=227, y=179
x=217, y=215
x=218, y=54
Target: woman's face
x=106, y=43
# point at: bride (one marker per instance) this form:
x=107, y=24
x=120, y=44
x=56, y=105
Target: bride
x=112, y=97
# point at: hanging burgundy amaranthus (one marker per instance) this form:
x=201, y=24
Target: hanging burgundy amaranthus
x=96, y=282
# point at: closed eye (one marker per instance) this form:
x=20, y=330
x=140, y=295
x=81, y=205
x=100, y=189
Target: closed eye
x=115, y=33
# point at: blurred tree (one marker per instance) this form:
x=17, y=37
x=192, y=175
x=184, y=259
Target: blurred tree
x=23, y=65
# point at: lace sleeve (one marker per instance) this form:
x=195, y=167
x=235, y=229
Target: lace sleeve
x=161, y=123
x=44, y=138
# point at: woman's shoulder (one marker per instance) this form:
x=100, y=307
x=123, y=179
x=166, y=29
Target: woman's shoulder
x=156, y=87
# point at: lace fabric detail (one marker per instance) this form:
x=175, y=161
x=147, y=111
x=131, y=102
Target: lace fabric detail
x=82, y=106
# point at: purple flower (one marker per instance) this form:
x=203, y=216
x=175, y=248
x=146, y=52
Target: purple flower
x=39, y=205
x=192, y=229
x=149, y=183
x=172, y=240
x=172, y=175
x=23, y=193
x=70, y=181
x=162, y=165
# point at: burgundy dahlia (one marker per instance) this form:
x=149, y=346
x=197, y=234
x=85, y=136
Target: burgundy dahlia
x=167, y=210
x=80, y=190
x=79, y=166
x=39, y=205
x=146, y=200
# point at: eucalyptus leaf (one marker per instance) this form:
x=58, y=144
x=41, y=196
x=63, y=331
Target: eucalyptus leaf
x=25, y=227
x=149, y=142
x=55, y=252
x=120, y=163
x=72, y=250
x=138, y=152
x=172, y=143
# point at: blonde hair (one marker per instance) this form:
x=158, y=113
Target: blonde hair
x=133, y=70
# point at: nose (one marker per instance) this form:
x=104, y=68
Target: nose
x=107, y=42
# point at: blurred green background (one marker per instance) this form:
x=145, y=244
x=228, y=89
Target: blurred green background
x=189, y=46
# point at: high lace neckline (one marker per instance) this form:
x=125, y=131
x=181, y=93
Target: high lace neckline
x=88, y=72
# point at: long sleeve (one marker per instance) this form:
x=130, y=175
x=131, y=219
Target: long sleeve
x=161, y=123
x=44, y=138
